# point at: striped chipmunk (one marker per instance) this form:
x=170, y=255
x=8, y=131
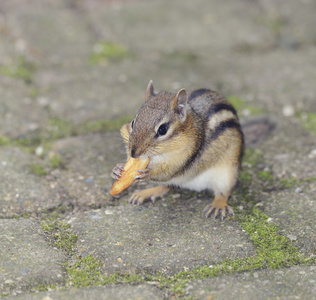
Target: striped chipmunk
x=193, y=140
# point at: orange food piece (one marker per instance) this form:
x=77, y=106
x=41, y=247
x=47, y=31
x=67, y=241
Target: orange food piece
x=130, y=171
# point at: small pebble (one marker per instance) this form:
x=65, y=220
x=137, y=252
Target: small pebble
x=39, y=151
x=119, y=260
x=292, y=237
x=288, y=110
x=89, y=180
x=312, y=154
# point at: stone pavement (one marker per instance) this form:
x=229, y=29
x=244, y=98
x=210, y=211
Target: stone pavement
x=72, y=72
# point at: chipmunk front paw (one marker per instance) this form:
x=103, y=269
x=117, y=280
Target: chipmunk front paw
x=139, y=197
x=219, y=207
x=117, y=171
x=142, y=176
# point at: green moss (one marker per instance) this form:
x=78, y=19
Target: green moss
x=4, y=141
x=288, y=182
x=84, y=272
x=60, y=235
x=273, y=251
x=240, y=105
x=44, y=287
x=20, y=68
x=265, y=175
x=59, y=128
x=252, y=157
x=37, y=169
x=104, y=51
x=244, y=176
x=55, y=160
x=107, y=124
x=309, y=121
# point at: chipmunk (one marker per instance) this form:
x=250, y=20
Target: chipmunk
x=194, y=141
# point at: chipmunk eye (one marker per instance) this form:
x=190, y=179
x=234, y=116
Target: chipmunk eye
x=163, y=128
x=132, y=124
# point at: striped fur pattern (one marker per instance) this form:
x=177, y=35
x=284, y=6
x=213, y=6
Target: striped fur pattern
x=194, y=140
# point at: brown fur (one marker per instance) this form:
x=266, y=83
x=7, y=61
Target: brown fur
x=203, y=133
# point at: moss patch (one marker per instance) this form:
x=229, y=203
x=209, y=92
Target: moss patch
x=105, y=125
x=20, y=68
x=55, y=161
x=104, y=51
x=60, y=235
x=37, y=169
x=241, y=106
x=4, y=141
x=309, y=121
x=86, y=271
x=273, y=250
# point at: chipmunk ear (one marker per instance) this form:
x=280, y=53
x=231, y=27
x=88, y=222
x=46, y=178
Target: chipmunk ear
x=150, y=90
x=179, y=103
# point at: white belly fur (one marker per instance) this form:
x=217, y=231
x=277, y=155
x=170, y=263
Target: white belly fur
x=217, y=179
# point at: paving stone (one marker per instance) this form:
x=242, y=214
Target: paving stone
x=261, y=51
x=292, y=283
x=294, y=211
x=166, y=237
x=19, y=113
x=287, y=151
x=88, y=161
x=20, y=190
x=128, y=292
x=26, y=260
x=287, y=154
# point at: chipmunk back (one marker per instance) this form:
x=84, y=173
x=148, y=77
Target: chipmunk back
x=194, y=141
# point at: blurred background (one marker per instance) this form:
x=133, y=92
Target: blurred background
x=72, y=63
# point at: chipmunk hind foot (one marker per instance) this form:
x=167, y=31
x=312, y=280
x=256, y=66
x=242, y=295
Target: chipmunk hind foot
x=139, y=197
x=219, y=207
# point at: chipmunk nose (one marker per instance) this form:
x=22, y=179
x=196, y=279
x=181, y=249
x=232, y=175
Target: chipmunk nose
x=133, y=152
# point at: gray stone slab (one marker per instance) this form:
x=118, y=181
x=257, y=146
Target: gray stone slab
x=20, y=190
x=166, y=237
x=19, y=113
x=26, y=260
x=122, y=291
x=288, y=150
x=287, y=153
x=292, y=283
x=88, y=161
x=294, y=211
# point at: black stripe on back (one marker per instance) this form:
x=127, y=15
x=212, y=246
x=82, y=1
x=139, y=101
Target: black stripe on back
x=223, y=126
x=198, y=93
x=221, y=106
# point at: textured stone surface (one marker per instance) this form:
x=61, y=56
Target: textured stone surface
x=26, y=260
x=291, y=283
x=263, y=52
x=20, y=190
x=128, y=292
x=167, y=237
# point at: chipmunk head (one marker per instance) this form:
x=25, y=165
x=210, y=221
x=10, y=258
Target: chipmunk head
x=160, y=123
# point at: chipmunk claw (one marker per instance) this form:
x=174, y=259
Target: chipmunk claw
x=142, y=176
x=219, y=207
x=138, y=197
x=117, y=171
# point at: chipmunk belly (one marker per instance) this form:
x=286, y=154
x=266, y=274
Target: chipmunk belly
x=219, y=179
